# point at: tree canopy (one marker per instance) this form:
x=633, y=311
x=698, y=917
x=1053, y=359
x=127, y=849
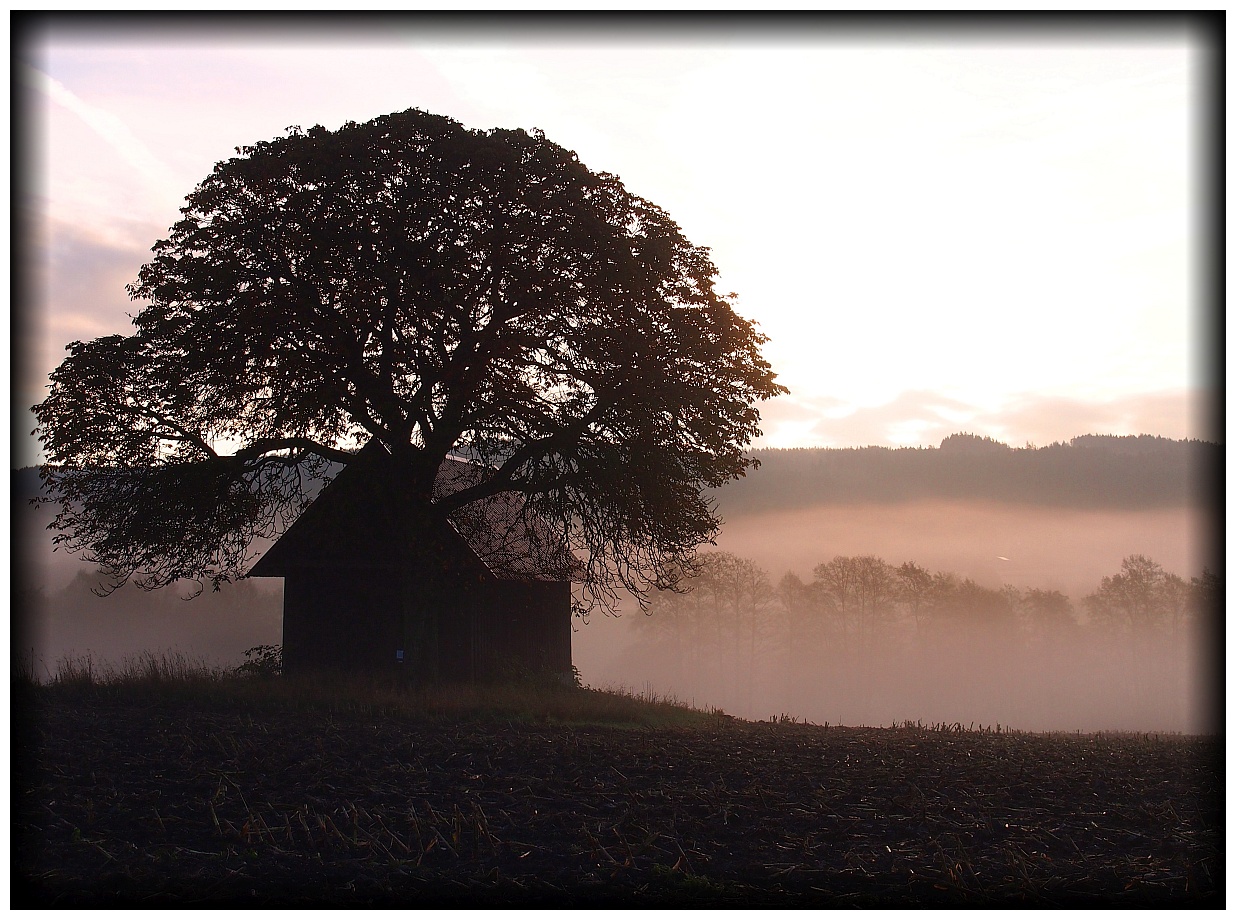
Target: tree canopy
x=441, y=290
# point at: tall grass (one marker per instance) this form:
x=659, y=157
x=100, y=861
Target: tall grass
x=173, y=675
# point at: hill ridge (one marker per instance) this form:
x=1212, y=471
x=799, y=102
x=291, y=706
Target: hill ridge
x=1089, y=471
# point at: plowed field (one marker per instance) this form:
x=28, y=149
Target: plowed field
x=120, y=801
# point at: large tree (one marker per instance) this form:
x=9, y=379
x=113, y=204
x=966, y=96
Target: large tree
x=439, y=290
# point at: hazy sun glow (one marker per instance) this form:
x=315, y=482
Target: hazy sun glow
x=935, y=231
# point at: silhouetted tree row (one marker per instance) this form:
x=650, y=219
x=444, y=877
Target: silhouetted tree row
x=858, y=599
x=1142, y=597
x=1091, y=471
x=733, y=623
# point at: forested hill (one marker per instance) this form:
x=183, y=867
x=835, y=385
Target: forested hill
x=1093, y=471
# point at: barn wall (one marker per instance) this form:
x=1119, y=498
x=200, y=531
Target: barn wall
x=345, y=621
x=350, y=620
x=457, y=617
x=523, y=628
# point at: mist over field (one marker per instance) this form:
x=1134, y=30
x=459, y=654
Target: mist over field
x=970, y=583
x=1001, y=631
x=1070, y=677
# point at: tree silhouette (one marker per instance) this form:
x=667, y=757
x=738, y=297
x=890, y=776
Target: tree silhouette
x=914, y=583
x=1046, y=613
x=860, y=591
x=439, y=290
x=1136, y=598
x=1206, y=596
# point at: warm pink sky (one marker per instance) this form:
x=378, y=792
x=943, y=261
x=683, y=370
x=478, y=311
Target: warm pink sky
x=993, y=232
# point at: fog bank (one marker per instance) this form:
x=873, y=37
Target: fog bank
x=1074, y=677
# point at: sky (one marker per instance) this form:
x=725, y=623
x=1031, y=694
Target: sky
x=940, y=229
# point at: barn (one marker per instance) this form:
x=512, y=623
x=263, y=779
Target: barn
x=487, y=593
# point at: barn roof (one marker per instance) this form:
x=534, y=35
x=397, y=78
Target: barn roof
x=500, y=532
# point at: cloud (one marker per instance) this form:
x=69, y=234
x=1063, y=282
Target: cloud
x=787, y=419
x=1179, y=413
x=84, y=278
x=106, y=125
x=75, y=290
x=913, y=418
x=923, y=418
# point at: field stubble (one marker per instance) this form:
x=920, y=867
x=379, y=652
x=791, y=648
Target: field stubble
x=167, y=794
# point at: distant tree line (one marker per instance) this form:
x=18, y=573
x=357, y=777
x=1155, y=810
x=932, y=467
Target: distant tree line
x=733, y=608
x=735, y=628
x=1092, y=471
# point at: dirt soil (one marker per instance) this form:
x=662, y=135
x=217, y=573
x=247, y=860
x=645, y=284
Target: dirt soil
x=124, y=802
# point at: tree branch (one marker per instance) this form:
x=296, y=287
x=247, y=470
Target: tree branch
x=269, y=445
